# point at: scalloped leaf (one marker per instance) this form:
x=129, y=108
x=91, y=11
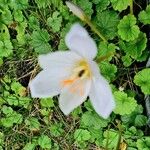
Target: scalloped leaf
x=105, y=49
x=143, y=144
x=40, y=39
x=124, y=104
x=101, y=4
x=108, y=70
x=91, y=119
x=142, y=79
x=144, y=16
x=107, y=22
x=127, y=28
x=136, y=47
x=120, y=4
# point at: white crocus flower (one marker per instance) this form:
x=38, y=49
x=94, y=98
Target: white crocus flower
x=74, y=75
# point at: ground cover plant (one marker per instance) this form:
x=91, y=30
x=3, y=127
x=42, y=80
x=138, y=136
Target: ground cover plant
x=121, y=31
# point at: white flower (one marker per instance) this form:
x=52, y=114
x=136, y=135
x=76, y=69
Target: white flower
x=74, y=75
x=76, y=10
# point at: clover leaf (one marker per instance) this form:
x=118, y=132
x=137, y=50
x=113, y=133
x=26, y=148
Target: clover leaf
x=144, y=16
x=124, y=104
x=107, y=22
x=120, y=4
x=127, y=28
x=142, y=79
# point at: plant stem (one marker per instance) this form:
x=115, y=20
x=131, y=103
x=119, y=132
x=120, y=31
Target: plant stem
x=88, y=21
x=131, y=7
x=119, y=138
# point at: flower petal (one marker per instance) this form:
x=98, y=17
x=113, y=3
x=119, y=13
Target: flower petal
x=47, y=83
x=76, y=10
x=74, y=95
x=58, y=60
x=100, y=95
x=78, y=40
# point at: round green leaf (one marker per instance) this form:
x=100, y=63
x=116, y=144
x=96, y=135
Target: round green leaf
x=120, y=4
x=142, y=79
x=124, y=104
x=82, y=135
x=144, y=16
x=107, y=22
x=127, y=28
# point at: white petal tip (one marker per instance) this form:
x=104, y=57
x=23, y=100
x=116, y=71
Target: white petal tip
x=65, y=112
x=108, y=110
x=76, y=10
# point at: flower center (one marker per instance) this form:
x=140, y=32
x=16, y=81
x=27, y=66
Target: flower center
x=80, y=71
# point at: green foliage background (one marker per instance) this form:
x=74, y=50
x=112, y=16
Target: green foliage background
x=30, y=28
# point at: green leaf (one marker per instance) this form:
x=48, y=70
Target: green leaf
x=44, y=141
x=101, y=4
x=127, y=28
x=144, y=143
x=33, y=22
x=120, y=4
x=90, y=119
x=105, y=49
x=29, y=146
x=86, y=5
x=55, y=21
x=6, y=16
x=142, y=79
x=47, y=102
x=18, y=16
x=18, y=101
x=5, y=48
x=2, y=137
x=124, y=104
x=40, y=41
x=11, y=117
x=56, y=129
x=43, y=4
x=18, y=4
x=108, y=70
x=127, y=61
x=63, y=33
x=82, y=135
x=144, y=16
x=140, y=120
x=18, y=88
x=111, y=136
x=4, y=33
x=136, y=47
x=130, y=119
x=33, y=123
x=107, y=22
x=21, y=29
